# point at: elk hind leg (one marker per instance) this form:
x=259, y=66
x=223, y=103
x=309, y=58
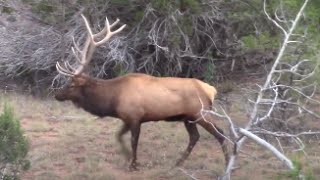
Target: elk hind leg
x=135, y=132
x=218, y=134
x=194, y=137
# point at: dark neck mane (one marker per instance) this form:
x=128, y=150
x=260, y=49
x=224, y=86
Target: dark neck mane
x=98, y=98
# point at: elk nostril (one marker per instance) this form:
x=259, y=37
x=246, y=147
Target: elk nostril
x=58, y=97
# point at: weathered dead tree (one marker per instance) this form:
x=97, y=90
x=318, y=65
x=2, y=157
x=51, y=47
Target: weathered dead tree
x=277, y=93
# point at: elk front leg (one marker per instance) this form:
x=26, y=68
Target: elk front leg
x=124, y=129
x=135, y=132
x=218, y=134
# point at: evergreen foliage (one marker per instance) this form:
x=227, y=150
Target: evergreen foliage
x=13, y=145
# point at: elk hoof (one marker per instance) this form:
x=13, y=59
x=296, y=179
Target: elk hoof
x=179, y=162
x=126, y=154
x=133, y=167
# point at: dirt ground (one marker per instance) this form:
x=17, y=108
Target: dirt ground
x=68, y=143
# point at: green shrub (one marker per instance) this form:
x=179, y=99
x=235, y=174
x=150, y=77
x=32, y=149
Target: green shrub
x=13, y=145
x=263, y=41
x=301, y=171
x=166, y=6
x=209, y=73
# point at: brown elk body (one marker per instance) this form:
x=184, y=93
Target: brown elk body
x=137, y=98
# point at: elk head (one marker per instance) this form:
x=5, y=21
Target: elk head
x=79, y=80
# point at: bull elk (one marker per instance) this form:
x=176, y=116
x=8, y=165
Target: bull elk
x=138, y=98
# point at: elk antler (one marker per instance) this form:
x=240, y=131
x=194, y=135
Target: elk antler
x=84, y=56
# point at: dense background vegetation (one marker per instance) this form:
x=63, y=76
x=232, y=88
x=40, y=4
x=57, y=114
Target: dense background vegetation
x=210, y=40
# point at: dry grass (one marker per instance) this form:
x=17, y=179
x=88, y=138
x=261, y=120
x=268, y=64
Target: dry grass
x=68, y=143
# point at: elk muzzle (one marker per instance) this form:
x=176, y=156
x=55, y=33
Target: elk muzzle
x=63, y=94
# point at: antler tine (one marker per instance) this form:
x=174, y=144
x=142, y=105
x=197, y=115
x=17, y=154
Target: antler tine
x=86, y=54
x=87, y=26
x=107, y=26
x=114, y=23
x=69, y=67
x=106, y=30
x=75, y=44
x=63, y=71
x=109, y=35
x=75, y=54
x=82, y=53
